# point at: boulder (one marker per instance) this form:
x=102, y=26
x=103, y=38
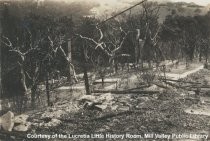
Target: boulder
x=22, y=127
x=21, y=119
x=7, y=121
x=100, y=102
x=85, y=98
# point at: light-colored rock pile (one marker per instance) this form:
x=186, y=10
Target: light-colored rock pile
x=101, y=102
x=9, y=122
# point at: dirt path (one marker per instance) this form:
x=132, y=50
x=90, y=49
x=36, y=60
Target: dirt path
x=132, y=80
x=183, y=75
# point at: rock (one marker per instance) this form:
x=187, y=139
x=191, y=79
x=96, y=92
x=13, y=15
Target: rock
x=123, y=108
x=21, y=119
x=88, y=101
x=104, y=129
x=87, y=98
x=35, y=124
x=22, y=127
x=53, y=114
x=114, y=107
x=100, y=102
x=102, y=107
x=191, y=92
x=95, y=99
x=143, y=99
x=52, y=123
x=116, y=120
x=202, y=101
x=106, y=97
x=140, y=106
x=152, y=88
x=87, y=104
x=41, y=124
x=7, y=121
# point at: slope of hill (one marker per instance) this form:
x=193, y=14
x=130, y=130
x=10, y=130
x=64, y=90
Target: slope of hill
x=166, y=8
x=180, y=8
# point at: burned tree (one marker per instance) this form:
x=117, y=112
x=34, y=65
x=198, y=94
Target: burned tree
x=144, y=35
x=21, y=63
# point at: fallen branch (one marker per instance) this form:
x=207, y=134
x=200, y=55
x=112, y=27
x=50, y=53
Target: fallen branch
x=180, y=81
x=159, y=85
x=176, y=86
x=96, y=82
x=142, y=86
x=125, y=91
x=199, y=86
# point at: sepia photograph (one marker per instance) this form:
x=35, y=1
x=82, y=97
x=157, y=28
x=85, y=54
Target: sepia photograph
x=104, y=70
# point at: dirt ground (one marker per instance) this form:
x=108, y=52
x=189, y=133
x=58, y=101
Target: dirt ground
x=171, y=111
x=174, y=110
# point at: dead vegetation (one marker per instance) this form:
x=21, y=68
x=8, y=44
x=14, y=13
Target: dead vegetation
x=138, y=75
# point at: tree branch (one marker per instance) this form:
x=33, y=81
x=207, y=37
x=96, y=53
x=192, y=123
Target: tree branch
x=101, y=33
x=9, y=44
x=100, y=44
x=121, y=43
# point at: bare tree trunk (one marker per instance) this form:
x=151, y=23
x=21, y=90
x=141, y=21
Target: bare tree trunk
x=87, y=86
x=115, y=66
x=137, y=53
x=149, y=64
x=128, y=67
x=23, y=80
x=123, y=66
x=33, y=95
x=84, y=65
x=137, y=47
x=200, y=56
x=69, y=76
x=0, y=74
x=47, y=88
x=141, y=45
x=206, y=55
x=102, y=80
x=206, y=58
x=187, y=63
x=1, y=91
x=23, y=97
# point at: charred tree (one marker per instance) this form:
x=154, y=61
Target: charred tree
x=47, y=88
x=84, y=66
x=69, y=76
